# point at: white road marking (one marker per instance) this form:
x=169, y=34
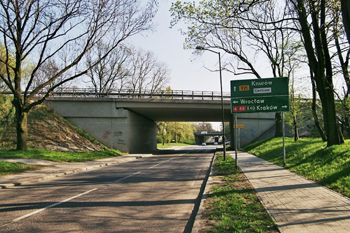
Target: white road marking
x=53, y=205
x=66, y=200
x=79, y=195
x=161, y=163
x=126, y=177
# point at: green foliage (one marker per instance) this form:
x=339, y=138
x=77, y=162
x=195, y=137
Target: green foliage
x=7, y=112
x=310, y=158
x=11, y=168
x=175, y=132
x=233, y=206
x=191, y=141
x=169, y=145
x=203, y=18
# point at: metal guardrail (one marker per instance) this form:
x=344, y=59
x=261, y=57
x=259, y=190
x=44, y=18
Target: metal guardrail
x=162, y=94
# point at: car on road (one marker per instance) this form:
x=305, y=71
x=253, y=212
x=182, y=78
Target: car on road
x=204, y=144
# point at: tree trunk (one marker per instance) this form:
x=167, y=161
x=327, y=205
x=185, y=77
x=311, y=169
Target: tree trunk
x=295, y=125
x=21, y=127
x=345, y=8
x=314, y=112
x=331, y=124
x=279, y=126
x=346, y=125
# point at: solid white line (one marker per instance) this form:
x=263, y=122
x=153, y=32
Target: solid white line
x=53, y=205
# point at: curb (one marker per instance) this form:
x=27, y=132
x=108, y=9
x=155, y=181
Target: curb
x=197, y=221
x=53, y=175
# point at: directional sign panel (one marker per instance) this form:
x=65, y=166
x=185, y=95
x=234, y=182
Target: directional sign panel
x=259, y=87
x=260, y=104
x=260, y=95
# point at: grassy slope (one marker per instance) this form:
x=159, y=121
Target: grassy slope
x=309, y=157
x=45, y=129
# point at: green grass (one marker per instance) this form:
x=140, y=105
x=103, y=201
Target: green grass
x=309, y=157
x=59, y=156
x=234, y=206
x=11, y=168
x=169, y=145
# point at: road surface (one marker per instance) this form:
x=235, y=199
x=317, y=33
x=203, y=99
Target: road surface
x=153, y=194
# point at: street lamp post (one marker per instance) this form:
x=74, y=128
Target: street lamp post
x=222, y=100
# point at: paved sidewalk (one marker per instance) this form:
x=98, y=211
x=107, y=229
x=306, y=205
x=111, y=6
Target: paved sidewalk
x=56, y=169
x=295, y=204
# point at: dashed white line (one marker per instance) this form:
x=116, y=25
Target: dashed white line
x=66, y=200
x=79, y=195
x=126, y=177
x=53, y=205
x=161, y=163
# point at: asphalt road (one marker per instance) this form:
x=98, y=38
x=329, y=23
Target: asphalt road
x=154, y=194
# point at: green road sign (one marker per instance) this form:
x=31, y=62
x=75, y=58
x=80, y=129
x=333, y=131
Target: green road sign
x=260, y=104
x=259, y=87
x=260, y=95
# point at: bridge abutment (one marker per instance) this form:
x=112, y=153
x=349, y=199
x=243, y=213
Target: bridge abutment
x=117, y=128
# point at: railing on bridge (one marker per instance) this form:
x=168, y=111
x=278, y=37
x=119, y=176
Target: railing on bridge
x=162, y=94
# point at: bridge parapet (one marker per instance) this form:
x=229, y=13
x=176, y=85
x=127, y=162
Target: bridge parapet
x=124, y=93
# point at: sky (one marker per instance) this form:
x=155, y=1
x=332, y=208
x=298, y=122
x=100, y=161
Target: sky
x=192, y=72
x=187, y=71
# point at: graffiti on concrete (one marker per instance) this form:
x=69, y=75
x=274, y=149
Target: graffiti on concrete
x=121, y=142
x=118, y=133
x=106, y=134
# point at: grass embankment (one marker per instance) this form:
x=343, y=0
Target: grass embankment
x=232, y=205
x=46, y=129
x=309, y=157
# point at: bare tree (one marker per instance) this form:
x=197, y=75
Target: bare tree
x=204, y=126
x=146, y=72
x=44, y=30
x=111, y=73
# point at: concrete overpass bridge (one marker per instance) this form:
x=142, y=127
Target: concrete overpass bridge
x=125, y=120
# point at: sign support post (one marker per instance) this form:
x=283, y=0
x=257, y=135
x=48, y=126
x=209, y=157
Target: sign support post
x=236, y=138
x=284, y=145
